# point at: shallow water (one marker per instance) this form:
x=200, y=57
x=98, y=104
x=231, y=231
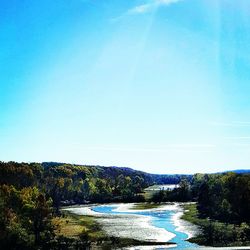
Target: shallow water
x=161, y=219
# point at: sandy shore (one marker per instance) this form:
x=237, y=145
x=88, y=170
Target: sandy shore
x=132, y=226
x=138, y=227
x=184, y=226
x=181, y=225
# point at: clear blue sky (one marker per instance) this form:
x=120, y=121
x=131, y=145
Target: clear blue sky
x=157, y=85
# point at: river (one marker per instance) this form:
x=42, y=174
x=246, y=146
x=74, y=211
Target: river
x=161, y=224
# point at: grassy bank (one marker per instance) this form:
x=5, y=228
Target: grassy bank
x=191, y=214
x=74, y=226
x=215, y=233
x=146, y=205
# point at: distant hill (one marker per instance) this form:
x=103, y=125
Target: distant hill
x=151, y=178
x=242, y=171
x=237, y=171
x=114, y=170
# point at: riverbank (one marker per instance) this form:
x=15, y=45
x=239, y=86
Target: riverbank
x=214, y=233
x=84, y=226
x=122, y=223
x=178, y=220
x=151, y=223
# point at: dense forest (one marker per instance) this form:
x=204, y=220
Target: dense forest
x=77, y=184
x=31, y=196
